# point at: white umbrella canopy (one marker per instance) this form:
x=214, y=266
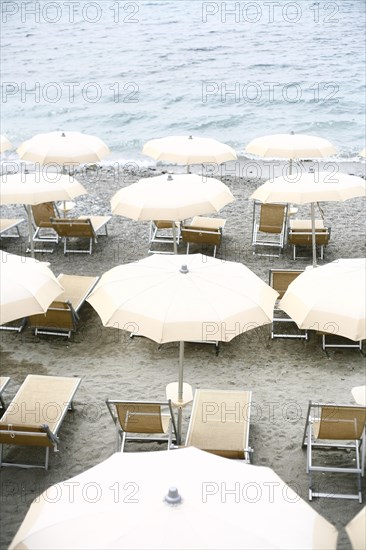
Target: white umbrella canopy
x=291, y=146
x=5, y=144
x=35, y=188
x=331, y=298
x=206, y=300
x=183, y=298
x=359, y=395
x=62, y=148
x=363, y=153
x=172, y=198
x=311, y=188
x=189, y=150
x=27, y=287
x=120, y=503
x=356, y=530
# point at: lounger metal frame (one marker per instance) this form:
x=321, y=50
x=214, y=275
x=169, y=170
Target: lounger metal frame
x=355, y=345
x=357, y=445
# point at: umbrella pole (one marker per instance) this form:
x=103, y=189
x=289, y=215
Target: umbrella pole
x=180, y=391
x=313, y=239
x=174, y=227
x=30, y=230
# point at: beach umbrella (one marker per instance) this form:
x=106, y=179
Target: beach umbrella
x=189, y=150
x=35, y=188
x=27, y=287
x=356, y=530
x=311, y=188
x=291, y=146
x=186, y=499
x=183, y=298
x=5, y=144
x=331, y=298
x=63, y=148
x=363, y=153
x=359, y=395
x=171, y=198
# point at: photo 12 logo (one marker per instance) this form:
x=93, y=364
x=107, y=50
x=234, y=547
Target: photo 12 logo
x=70, y=12
x=270, y=12
x=70, y=92
x=268, y=92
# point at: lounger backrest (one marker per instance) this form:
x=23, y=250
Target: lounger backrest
x=42, y=214
x=163, y=224
x=23, y=434
x=281, y=279
x=200, y=235
x=304, y=237
x=140, y=418
x=73, y=227
x=272, y=218
x=340, y=422
x=60, y=315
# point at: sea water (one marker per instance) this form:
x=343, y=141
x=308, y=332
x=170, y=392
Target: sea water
x=136, y=70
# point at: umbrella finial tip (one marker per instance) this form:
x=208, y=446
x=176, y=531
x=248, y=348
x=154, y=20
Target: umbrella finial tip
x=292, y=133
x=173, y=496
x=63, y=134
x=190, y=137
x=184, y=269
x=170, y=177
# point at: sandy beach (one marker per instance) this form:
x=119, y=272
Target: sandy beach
x=283, y=374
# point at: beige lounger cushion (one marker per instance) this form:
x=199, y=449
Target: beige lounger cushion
x=41, y=400
x=220, y=422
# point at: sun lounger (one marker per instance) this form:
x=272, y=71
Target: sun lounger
x=4, y=381
x=62, y=317
x=35, y=415
x=220, y=423
x=335, y=427
x=270, y=229
x=142, y=417
x=300, y=235
x=42, y=213
x=84, y=227
x=280, y=279
x=203, y=230
x=161, y=232
x=6, y=225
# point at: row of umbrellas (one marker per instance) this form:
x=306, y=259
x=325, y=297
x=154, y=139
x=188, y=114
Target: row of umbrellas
x=194, y=297
x=144, y=202
x=74, y=147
